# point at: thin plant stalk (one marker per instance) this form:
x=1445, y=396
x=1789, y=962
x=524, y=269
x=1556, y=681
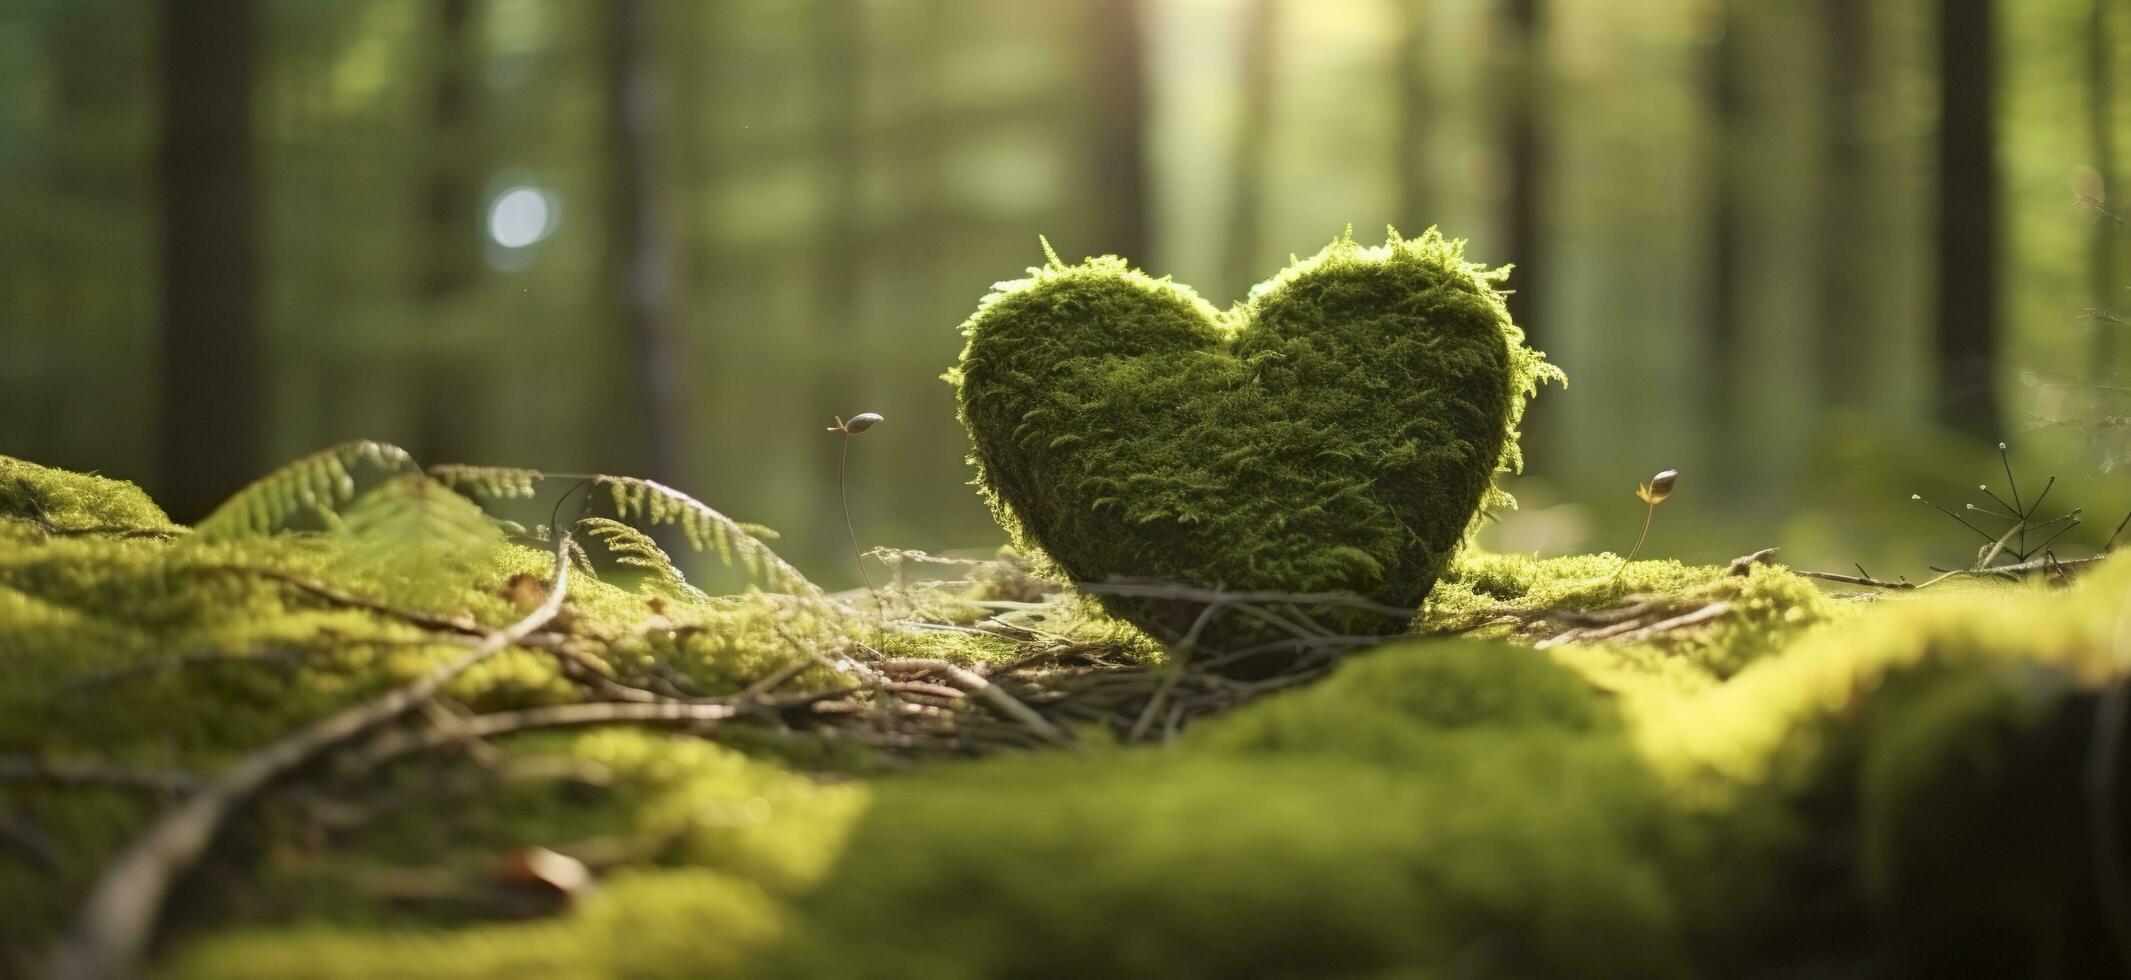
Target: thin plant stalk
x=846, y=429
x=1652, y=494
x=843, y=461
x=1649, y=511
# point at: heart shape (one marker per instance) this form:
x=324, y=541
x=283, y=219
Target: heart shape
x=1336, y=432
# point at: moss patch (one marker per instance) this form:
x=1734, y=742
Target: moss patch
x=60, y=502
x=1486, y=595
x=1337, y=431
x=1799, y=788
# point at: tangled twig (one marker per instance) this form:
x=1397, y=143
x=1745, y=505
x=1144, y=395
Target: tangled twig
x=1000, y=701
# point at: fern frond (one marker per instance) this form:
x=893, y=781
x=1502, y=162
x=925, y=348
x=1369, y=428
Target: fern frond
x=630, y=546
x=415, y=519
x=706, y=529
x=488, y=482
x=319, y=483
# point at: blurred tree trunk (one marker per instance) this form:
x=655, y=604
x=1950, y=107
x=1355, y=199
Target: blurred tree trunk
x=212, y=411
x=1722, y=312
x=1118, y=138
x=449, y=414
x=1844, y=333
x=1966, y=341
x=840, y=71
x=2101, y=249
x=1523, y=28
x=450, y=249
x=1415, y=196
x=1254, y=125
x=640, y=250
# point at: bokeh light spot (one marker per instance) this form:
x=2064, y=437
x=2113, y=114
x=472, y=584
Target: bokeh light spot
x=520, y=216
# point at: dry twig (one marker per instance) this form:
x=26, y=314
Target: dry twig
x=984, y=690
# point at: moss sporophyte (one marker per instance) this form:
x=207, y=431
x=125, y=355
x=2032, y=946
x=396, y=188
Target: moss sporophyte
x=1337, y=431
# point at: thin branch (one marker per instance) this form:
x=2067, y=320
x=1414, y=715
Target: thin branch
x=417, y=617
x=127, y=672
x=2013, y=570
x=989, y=693
x=118, y=918
x=1985, y=535
x=1864, y=580
x=495, y=723
x=1745, y=563
x=28, y=769
x=2037, y=565
x=1705, y=614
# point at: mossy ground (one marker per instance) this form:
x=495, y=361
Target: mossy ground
x=1800, y=786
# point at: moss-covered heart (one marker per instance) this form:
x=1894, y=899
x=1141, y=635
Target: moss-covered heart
x=1336, y=432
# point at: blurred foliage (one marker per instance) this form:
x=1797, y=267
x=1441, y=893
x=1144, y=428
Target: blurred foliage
x=846, y=178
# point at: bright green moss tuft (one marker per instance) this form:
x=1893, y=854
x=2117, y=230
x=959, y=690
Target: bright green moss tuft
x=1337, y=431
x=76, y=503
x=1485, y=595
x=663, y=923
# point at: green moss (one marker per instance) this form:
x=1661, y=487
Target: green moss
x=1917, y=771
x=75, y=503
x=1337, y=431
x=677, y=923
x=1485, y=595
x=1800, y=787
x=169, y=650
x=1432, y=804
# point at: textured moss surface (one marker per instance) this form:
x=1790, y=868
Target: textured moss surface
x=1337, y=431
x=1803, y=789
x=59, y=502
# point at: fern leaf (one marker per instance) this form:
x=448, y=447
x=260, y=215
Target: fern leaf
x=630, y=546
x=415, y=520
x=707, y=530
x=488, y=482
x=319, y=482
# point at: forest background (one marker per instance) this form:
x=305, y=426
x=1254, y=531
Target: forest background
x=1818, y=255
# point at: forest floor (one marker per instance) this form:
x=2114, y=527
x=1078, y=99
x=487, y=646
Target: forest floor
x=386, y=734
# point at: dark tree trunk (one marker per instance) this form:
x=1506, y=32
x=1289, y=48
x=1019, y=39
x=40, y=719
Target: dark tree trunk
x=1246, y=206
x=451, y=389
x=1118, y=138
x=1415, y=196
x=1524, y=25
x=2101, y=248
x=1722, y=312
x=450, y=249
x=1966, y=341
x=1844, y=332
x=640, y=250
x=212, y=412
